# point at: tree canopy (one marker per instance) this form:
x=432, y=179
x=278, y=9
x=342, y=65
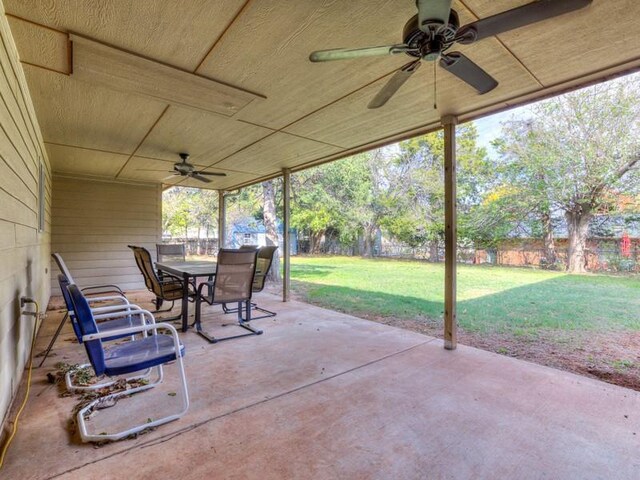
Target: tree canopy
x=557, y=165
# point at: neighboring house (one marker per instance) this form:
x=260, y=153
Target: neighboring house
x=253, y=232
x=613, y=245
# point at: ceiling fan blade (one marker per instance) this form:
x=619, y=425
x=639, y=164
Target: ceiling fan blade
x=215, y=174
x=170, y=177
x=200, y=177
x=516, y=18
x=433, y=11
x=152, y=170
x=468, y=72
x=349, y=53
x=394, y=83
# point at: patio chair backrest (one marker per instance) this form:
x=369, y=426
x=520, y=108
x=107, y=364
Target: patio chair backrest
x=234, y=275
x=171, y=251
x=145, y=264
x=62, y=266
x=263, y=265
x=87, y=325
x=64, y=283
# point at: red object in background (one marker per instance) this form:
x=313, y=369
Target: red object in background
x=625, y=245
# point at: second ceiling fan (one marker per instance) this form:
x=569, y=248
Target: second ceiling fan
x=186, y=169
x=430, y=34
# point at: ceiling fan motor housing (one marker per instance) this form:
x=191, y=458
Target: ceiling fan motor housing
x=430, y=44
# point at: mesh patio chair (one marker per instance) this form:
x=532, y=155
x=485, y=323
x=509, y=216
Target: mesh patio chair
x=175, y=252
x=169, y=252
x=109, y=318
x=232, y=284
x=152, y=351
x=168, y=288
x=263, y=266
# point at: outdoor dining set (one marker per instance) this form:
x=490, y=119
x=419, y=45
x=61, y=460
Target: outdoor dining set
x=123, y=340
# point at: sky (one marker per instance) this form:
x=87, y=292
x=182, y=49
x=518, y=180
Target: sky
x=489, y=127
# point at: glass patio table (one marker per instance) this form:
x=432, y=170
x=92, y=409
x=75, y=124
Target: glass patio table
x=187, y=270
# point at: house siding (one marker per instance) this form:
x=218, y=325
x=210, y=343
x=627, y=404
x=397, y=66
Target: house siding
x=94, y=221
x=24, y=247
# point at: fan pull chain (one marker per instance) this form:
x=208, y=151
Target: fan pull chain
x=435, y=86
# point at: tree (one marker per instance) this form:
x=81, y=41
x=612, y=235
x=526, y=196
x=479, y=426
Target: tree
x=416, y=196
x=572, y=152
x=271, y=226
x=341, y=198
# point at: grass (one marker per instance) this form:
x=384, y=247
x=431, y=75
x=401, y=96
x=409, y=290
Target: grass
x=518, y=301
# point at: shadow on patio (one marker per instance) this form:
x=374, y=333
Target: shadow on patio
x=326, y=395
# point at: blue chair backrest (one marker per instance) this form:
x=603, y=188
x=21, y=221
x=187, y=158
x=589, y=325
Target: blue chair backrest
x=87, y=325
x=64, y=283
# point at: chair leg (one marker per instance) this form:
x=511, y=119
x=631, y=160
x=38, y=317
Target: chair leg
x=158, y=303
x=267, y=313
x=241, y=323
x=88, y=437
x=71, y=387
x=196, y=322
x=45, y=354
x=174, y=318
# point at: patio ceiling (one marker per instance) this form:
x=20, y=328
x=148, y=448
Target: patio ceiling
x=288, y=112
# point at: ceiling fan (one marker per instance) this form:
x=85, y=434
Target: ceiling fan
x=430, y=34
x=186, y=169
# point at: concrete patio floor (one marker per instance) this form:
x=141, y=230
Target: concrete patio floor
x=324, y=395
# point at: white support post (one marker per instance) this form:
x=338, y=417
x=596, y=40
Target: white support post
x=450, y=233
x=222, y=224
x=286, y=257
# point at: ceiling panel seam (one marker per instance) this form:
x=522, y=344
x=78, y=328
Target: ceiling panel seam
x=142, y=141
x=513, y=55
x=222, y=34
x=85, y=148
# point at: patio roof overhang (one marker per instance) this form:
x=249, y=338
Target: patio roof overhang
x=270, y=108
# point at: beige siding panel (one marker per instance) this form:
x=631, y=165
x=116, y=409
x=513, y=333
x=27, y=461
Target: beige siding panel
x=100, y=211
x=11, y=152
x=17, y=188
x=7, y=235
x=24, y=252
x=26, y=236
x=13, y=210
x=94, y=221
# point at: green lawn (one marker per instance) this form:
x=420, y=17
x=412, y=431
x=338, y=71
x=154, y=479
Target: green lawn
x=490, y=299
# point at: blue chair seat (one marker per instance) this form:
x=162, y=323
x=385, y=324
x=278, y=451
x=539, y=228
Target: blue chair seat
x=140, y=354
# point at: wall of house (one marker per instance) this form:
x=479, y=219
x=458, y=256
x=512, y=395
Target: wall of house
x=24, y=248
x=94, y=221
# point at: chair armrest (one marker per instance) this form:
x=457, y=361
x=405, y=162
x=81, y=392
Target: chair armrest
x=106, y=285
x=117, y=311
x=168, y=278
x=110, y=298
x=138, y=329
x=208, y=283
x=125, y=312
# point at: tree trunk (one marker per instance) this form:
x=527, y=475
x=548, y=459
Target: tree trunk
x=577, y=228
x=549, y=242
x=316, y=241
x=434, y=254
x=369, y=241
x=269, y=209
